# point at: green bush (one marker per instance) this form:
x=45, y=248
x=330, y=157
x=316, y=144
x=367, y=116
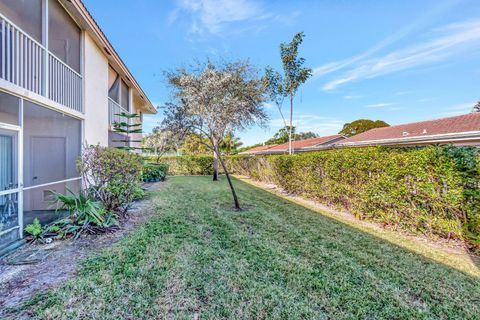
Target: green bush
x=86, y=216
x=34, y=230
x=186, y=165
x=434, y=190
x=154, y=172
x=111, y=176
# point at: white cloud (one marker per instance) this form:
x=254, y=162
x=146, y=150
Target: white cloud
x=459, y=109
x=268, y=105
x=353, y=96
x=212, y=15
x=451, y=40
x=311, y=122
x=417, y=24
x=379, y=105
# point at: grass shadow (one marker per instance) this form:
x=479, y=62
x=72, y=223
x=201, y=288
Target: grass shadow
x=276, y=260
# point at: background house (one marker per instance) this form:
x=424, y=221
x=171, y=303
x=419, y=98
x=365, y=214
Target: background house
x=463, y=130
x=61, y=84
x=312, y=144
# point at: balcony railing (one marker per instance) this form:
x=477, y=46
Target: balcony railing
x=28, y=64
x=114, y=109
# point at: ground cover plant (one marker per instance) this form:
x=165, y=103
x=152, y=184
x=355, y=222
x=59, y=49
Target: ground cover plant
x=197, y=258
x=86, y=216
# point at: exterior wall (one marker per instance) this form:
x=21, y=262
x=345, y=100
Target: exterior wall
x=96, y=94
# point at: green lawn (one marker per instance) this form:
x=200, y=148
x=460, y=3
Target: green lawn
x=275, y=260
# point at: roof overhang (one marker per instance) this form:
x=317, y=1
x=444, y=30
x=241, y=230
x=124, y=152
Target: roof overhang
x=430, y=139
x=85, y=19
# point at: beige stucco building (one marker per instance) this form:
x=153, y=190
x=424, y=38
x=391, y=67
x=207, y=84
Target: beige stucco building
x=62, y=85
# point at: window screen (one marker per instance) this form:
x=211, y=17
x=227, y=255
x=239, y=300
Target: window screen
x=124, y=92
x=52, y=144
x=9, y=108
x=114, y=91
x=64, y=35
x=26, y=14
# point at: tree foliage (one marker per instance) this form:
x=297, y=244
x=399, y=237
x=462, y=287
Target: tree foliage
x=294, y=75
x=476, y=107
x=282, y=135
x=128, y=125
x=361, y=125
x=230, y=144
x=160, y=142
x=212, y=100
x=194, y=145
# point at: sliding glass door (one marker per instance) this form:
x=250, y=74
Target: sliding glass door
x=9, y=189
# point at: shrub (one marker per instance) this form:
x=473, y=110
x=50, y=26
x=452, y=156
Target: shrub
x=111, y=176
x=186, y=165
x=434, y=190
x=34, y=230
x=86, y=215
x=138, y=193
x=154, y=172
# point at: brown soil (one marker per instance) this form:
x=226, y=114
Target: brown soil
x=20, y=282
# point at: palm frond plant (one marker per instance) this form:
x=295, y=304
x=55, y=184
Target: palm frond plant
x=86, y=215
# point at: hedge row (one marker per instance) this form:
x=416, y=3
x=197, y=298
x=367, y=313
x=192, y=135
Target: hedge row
x=186, y=165
x=434, y=190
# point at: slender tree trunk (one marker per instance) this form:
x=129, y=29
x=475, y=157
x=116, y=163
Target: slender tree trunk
x=215, y=161
x=290, y=149
x=234, y=194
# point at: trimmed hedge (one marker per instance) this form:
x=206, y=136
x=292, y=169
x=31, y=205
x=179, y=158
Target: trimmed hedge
x=154, y=172
x=433, y=190
x=185, y=165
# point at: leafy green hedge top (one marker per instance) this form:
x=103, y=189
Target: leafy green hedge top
x=433, y=190
x=186, y=165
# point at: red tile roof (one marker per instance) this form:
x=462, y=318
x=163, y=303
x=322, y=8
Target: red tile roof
x=458, y=124
x=300, y=144
x=259, y=148
x=306, y=143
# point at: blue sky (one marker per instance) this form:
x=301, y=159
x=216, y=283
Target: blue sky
x=398, y=60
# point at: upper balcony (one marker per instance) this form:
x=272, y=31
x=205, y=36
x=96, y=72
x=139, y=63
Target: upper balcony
x=114, y=111
x=46, y=61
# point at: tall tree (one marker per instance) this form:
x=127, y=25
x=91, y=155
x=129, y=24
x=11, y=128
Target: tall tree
x=476, y=107
x=160, y=142
x=213, y=100
x=230, y=144
x=294, y=74
x=127, y=126
x=282, y=135
x=194, y=144
x=361, y=125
